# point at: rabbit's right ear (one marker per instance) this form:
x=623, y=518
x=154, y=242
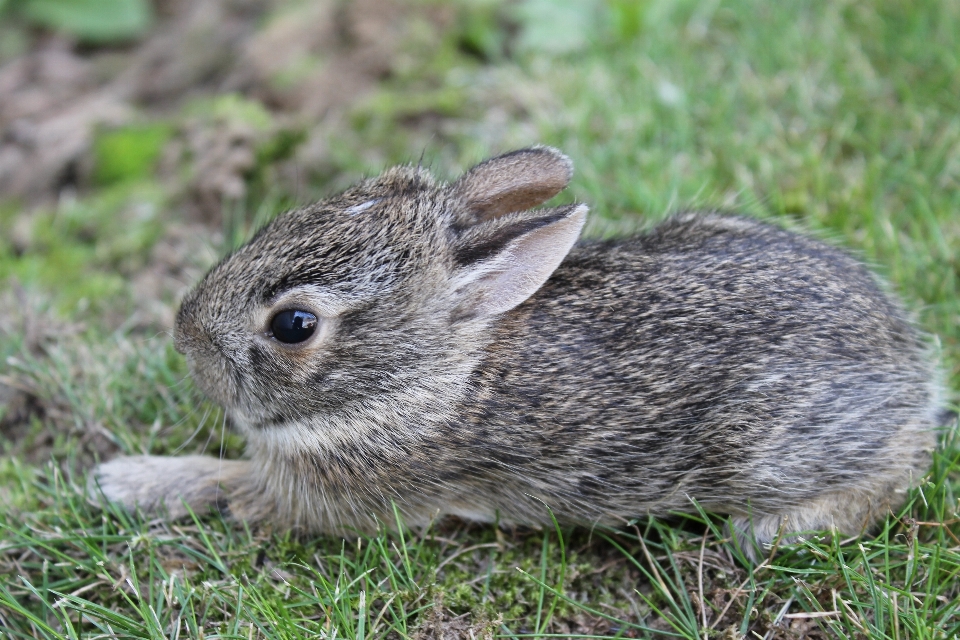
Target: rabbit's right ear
x=501, y=263
x=515, y=181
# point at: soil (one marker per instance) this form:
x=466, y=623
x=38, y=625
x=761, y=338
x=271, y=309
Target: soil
x=301, y=60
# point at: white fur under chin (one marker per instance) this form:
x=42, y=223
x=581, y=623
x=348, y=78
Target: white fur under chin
x=372, y=425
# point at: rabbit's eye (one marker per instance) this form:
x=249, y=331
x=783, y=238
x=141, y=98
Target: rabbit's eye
x=293, y=326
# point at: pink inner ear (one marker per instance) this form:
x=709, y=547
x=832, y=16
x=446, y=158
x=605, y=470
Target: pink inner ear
x=500, y=283
x=518, y=198
x=514, y=182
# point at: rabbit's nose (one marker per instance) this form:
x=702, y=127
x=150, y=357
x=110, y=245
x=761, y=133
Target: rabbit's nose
x=188, y=337
x=179, y=342
x=186, y=330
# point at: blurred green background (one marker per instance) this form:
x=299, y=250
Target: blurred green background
x=141, y=140
x=123, y=118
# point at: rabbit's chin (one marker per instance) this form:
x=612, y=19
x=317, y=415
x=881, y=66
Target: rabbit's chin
x=243, y=422
x=253, y=417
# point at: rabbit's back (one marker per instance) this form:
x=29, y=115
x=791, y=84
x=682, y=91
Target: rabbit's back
x=714, y=358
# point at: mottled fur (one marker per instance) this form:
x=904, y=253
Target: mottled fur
x=762, y=373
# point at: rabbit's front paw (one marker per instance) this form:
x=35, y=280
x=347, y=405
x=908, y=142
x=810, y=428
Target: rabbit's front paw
x=155, y=482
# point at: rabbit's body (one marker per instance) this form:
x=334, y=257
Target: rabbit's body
x=717, y=359
x=678, y=375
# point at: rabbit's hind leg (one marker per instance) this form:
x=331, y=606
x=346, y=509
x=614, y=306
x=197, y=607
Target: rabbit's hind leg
x=848, y=513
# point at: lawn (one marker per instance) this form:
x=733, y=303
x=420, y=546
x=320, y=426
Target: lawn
x=839, y=118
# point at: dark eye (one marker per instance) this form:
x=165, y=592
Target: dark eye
x=293, y=326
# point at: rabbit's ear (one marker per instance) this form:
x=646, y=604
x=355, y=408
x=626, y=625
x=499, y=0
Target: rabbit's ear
x=503, y=262
x=515, y=181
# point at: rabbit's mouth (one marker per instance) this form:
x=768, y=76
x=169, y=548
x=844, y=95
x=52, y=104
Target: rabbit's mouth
x=223, y=382
x=217, y=378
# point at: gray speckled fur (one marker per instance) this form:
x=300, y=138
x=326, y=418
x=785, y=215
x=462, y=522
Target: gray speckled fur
x=762, y=373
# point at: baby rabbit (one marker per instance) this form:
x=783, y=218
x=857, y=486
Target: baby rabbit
x=450, y=349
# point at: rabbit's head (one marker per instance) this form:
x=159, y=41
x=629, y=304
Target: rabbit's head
x=385, y=291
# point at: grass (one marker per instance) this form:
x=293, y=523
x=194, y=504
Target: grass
x=839, y=118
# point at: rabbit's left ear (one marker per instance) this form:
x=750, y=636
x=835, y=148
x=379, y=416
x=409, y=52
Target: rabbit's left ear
x=515, y=181
x=501, y=263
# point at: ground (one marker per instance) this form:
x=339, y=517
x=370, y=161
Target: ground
x=132, y=158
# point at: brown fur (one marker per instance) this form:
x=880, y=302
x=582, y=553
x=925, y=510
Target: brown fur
x=459, y=370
